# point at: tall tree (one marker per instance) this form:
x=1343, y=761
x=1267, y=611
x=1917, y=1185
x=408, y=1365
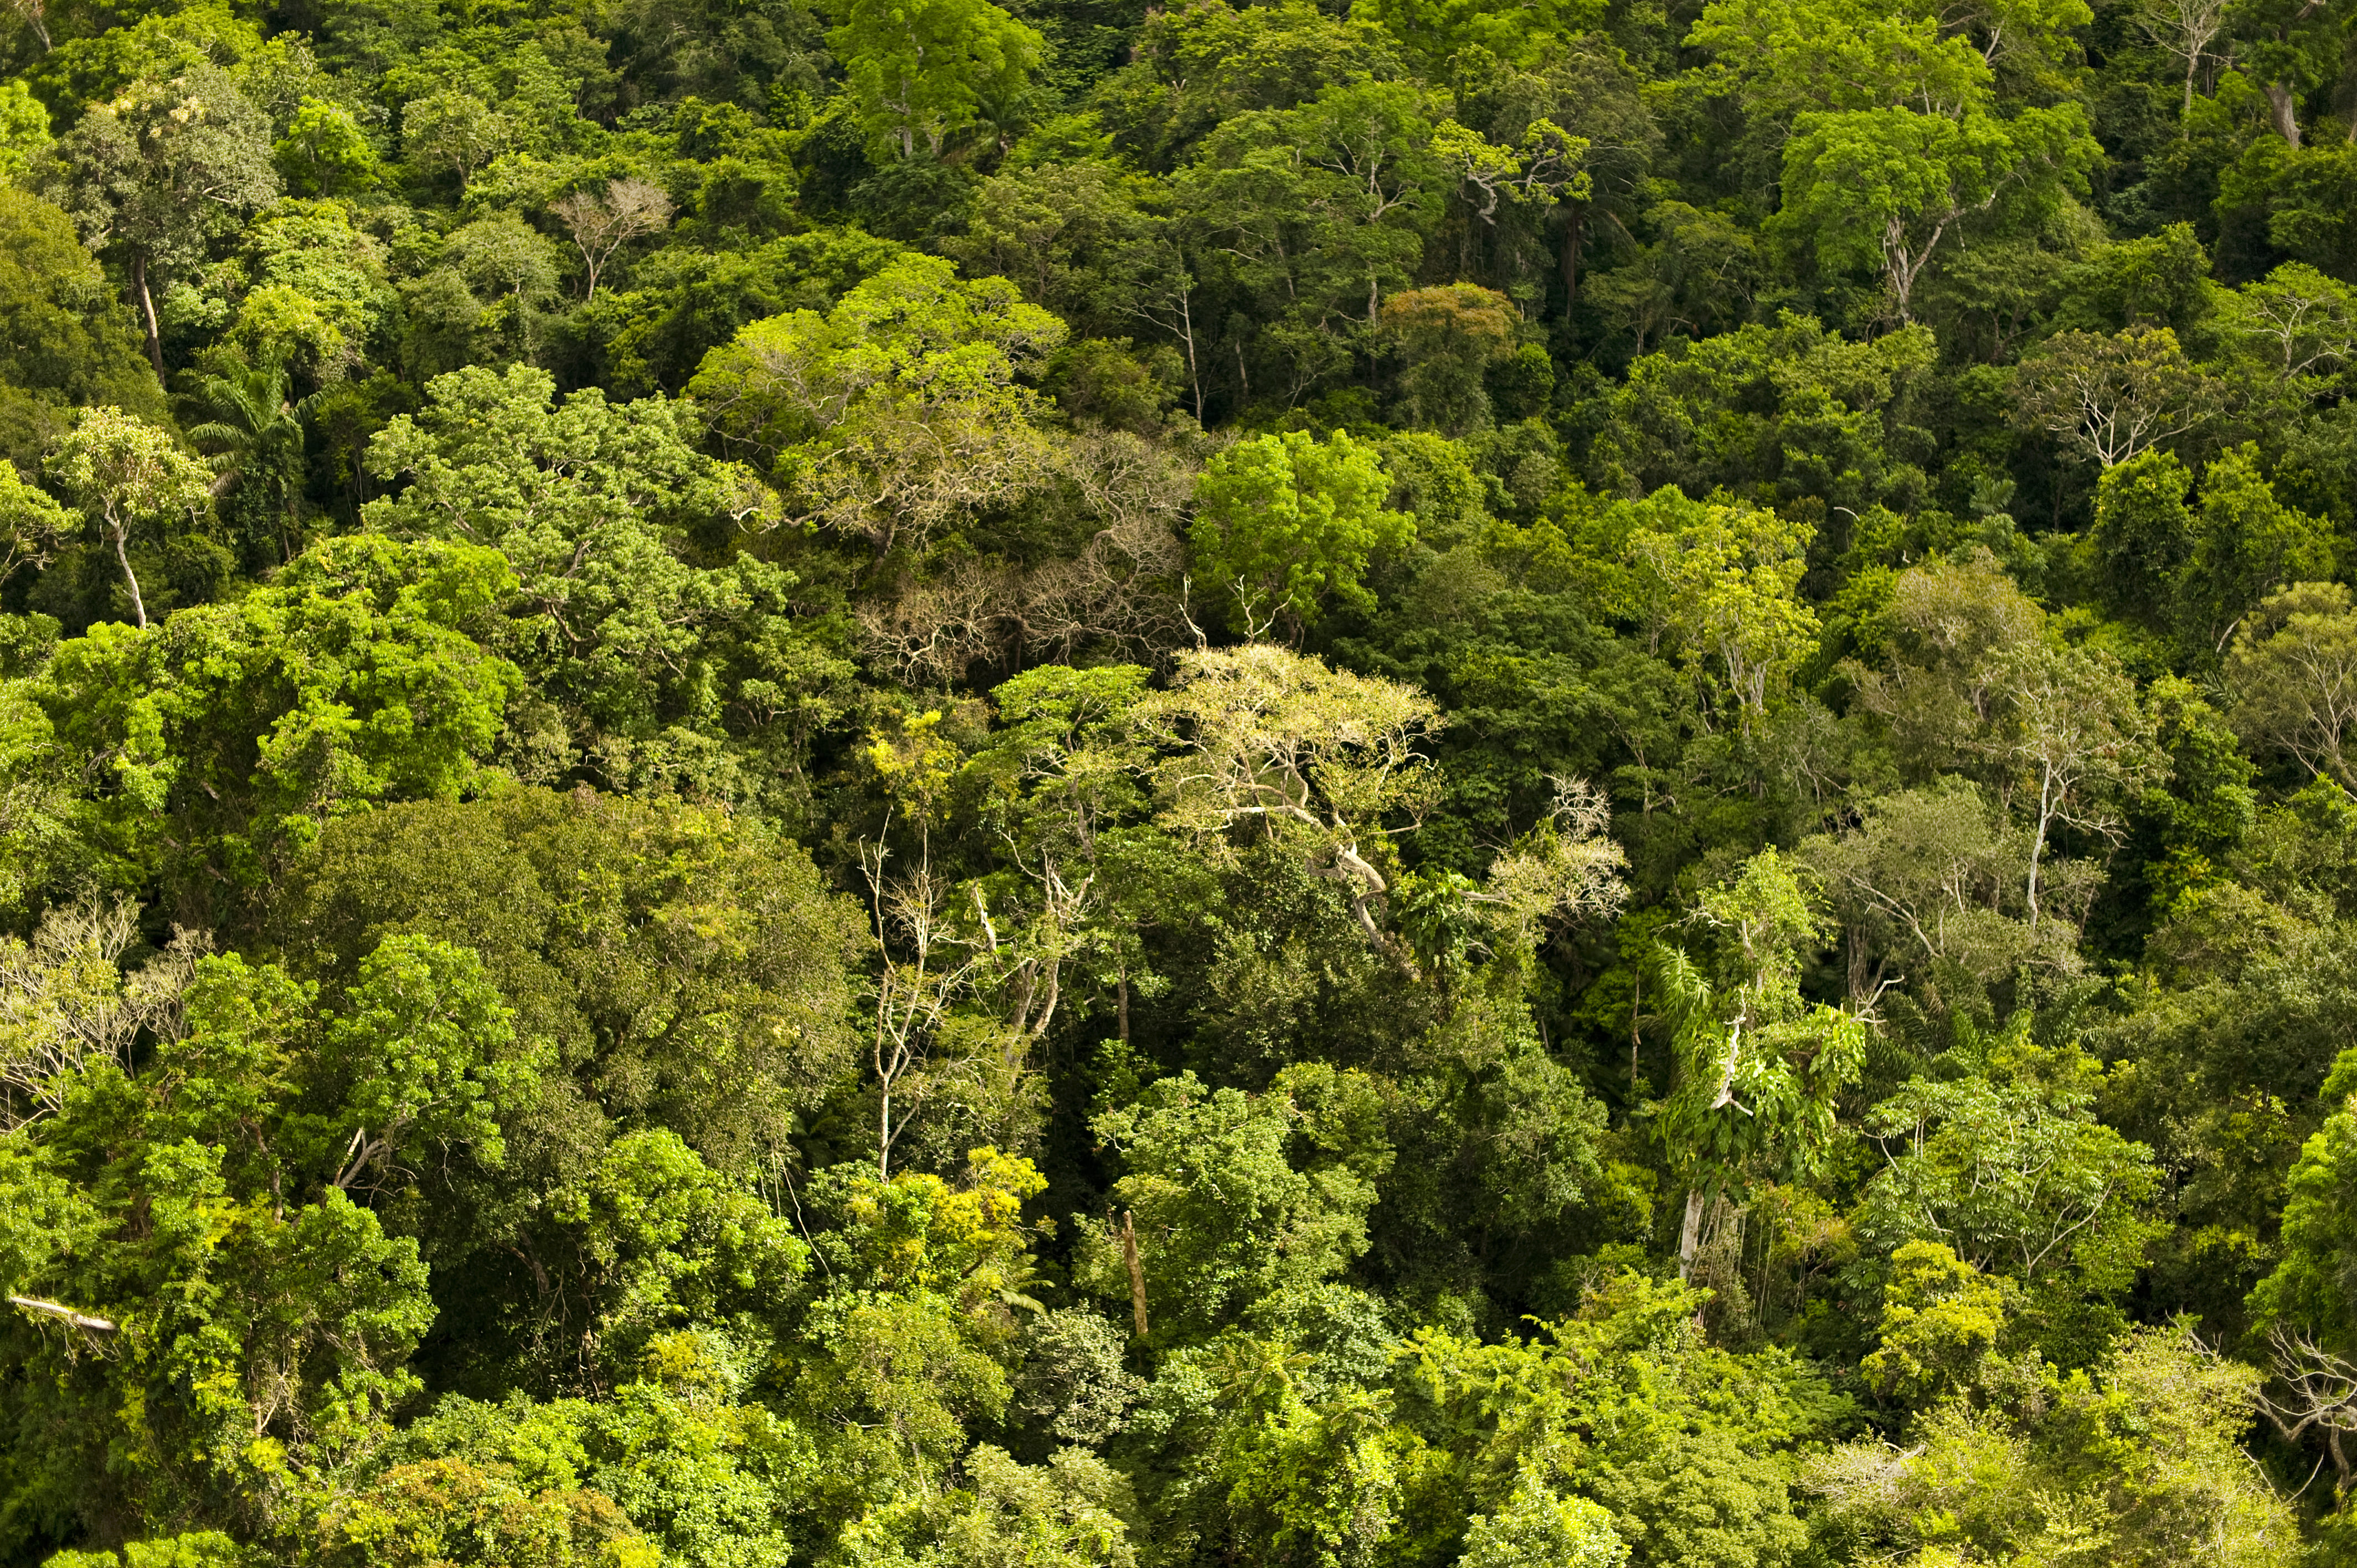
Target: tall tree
x=154, y=176
x=922, y=71
x=127, y=475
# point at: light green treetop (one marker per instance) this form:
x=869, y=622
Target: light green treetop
x=1284, y=522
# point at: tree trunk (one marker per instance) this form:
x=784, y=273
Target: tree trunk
x=1689, y=1234
x=2284, y=111
x=2046, y=802
x=122, y=554
x=147, y=318
x=1636, y=1039
x=1574, y=226
x=1136, y=1272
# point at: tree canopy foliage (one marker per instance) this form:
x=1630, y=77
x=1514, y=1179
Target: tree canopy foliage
x=1361, y=784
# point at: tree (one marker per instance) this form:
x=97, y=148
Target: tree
x=68, y=1004
x=691, y=969
x=598, y=509
x=1549, y=165
x=1284, y=522
x=908, y=1333
x=2185, y=28
x=1685, y=1447
x=896, y=412
x=1930, y=885
x=1881, y=189
x=673, y=1450
x=1788, y=60
x=1314, y=213
x=2245, y=542
x=601, y=226
x=424, y=1055
x=1450, y=336
x=125, y=474
x=656, y=1243
x=1723, y=581
x=36, y=16
x=1066, y=1513
x=32, y=524
x=2294, y=675
x=924, y=70
x=1536, y=1528
x=445, y=1509
x=154, y=176
x=2005, y=1163
x=256, y=1325
x=1779, y=410
x=1945, y=624
x=2143, y=532
x=453, y=129
x=63, y=344
x=1073, y=1380
x=24, y=130
x=2111, y=398
x=2289, y=48
x=1696, y=279
x=226, y=735
x=2069, y=733
x=512, y=268
x=247, y=423
x=1940, y=1316
x=2013, y=1473
x=2297, y=324
x=924, y=977
x=1759, y=1068
x=324, y=152
x=1234, y=1196
x=1260, y=737
x=2306, y=1292
x=1437, y=31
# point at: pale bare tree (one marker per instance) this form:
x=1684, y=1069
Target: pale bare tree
x=2320, y=1395
x=931, y=631
x=1259, y=736
x=920, y=977
x=34, y=14
x=1025, y=963
x=1122, y=591
x=2294, y=675
x=66, y=1001
x=1936, y=879
x=2070, y=735
x=907, y=467
x=2111, y=398
x=630, y=208
x=1566, y=869
x=2296, y=320
x=2184, y=29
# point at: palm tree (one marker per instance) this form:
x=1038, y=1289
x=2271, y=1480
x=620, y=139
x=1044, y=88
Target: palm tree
x=248, y=424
